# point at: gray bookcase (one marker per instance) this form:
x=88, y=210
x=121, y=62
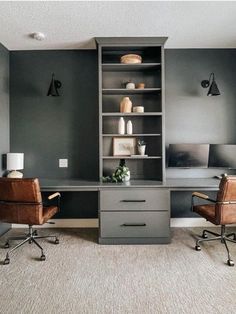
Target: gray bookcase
x=147, y=126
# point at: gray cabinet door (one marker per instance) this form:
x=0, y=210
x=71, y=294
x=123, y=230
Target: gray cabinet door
x=134, y=199
x=134, y=224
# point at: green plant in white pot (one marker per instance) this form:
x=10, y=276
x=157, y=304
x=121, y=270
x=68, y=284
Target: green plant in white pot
x=141, y=147
x=121, y=174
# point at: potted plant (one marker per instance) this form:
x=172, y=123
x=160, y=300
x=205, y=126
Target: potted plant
x=141, y=147
x=121, y=174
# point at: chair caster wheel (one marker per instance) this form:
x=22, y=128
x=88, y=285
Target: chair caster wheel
x=6, y=261
x=35, y=233
x=204, y=236
x=30, y=241
x=43, y=257
x=6, y=245
x=230, y=262
x=197, y=248
x=57, y=241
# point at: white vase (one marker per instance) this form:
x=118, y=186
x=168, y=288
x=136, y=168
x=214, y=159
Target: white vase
x=141, y=149
x=129, y=127
x=130, y=85
x=121, y=126
x=127, y=177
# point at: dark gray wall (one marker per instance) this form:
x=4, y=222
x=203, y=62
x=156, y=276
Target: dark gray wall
x=4, y=113
x=49, y=128
x=191, y=115
x=4, y=105
x=46, y=129
x=194, y=117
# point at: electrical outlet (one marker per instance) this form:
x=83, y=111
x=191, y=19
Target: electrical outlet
x=63, y=163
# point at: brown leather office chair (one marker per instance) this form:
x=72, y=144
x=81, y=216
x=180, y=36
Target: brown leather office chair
x=222, y=212
x=21, y=203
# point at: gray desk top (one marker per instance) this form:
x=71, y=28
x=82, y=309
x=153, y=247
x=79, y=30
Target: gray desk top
x=172, y=184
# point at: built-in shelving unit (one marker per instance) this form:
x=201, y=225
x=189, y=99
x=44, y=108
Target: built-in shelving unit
x=129, y=67
x=130, y=135
x=133, y=215
x=123, y=91
x=147, y=126
x=122, y=114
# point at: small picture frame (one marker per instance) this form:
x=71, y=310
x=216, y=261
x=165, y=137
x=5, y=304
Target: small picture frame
x=124, y=146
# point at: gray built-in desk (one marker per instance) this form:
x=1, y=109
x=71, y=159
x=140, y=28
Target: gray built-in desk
x=137, y=212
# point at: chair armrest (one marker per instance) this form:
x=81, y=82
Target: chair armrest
x=200, y=195
x=57, y=194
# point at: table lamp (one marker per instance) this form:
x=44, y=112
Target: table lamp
x=15, y=161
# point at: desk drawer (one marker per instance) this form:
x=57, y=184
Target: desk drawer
x=134, y=199
x=134, y=224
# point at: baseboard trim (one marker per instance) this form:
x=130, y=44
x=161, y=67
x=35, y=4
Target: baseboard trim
x=67, y=223
x=93, y=223
x=189, y=222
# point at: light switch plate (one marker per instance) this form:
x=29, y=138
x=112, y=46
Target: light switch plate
x=63, y=163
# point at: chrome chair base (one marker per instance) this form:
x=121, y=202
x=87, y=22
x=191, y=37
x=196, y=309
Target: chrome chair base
x=223, y=237
x=30, y=238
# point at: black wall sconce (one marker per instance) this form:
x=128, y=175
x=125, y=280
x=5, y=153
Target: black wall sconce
x=54, y=86
x=213, y=90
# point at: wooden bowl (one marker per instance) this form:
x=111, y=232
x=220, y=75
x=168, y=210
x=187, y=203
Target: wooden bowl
x=131, y=59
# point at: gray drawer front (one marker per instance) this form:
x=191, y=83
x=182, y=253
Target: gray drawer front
x=134, y=199
x=134, y=224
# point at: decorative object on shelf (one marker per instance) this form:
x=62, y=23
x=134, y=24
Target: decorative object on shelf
x=213, y=90
x=141, y=147
x=138, y=109
x=138, y=156
x=130, y=85
x=140, y=85
x=121, y=174
x=124, y=146
x=15, y=161
x=131, y=59
x=54, y=86
x=121, y=126
x=148, y=122
x=126, y=105
x=129, y=128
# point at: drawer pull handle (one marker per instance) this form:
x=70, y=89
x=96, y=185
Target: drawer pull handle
x=134, y=225
x=133, y=201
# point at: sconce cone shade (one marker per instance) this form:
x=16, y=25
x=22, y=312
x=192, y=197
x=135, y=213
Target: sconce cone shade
x=53, y=88
x=213, y=90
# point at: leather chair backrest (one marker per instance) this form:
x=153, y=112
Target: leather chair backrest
x=227, y=189
x=20, y=190
x=226, y=213
x=20, y=201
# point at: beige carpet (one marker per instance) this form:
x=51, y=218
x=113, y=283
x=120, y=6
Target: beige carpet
x=80, y=276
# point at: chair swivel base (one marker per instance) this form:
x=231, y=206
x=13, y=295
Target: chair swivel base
x=30, y=238
x=223, y=237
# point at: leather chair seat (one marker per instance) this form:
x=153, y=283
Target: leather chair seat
x=49, y=212
x=222, y=212
x=207, y=211
x=21, y=203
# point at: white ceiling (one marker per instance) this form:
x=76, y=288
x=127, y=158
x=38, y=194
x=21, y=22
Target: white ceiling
x=74, y=24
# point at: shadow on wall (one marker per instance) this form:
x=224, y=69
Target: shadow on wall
x=4, y=165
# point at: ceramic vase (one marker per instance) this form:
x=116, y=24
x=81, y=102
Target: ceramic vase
x=129, y=127
x=127, y=177
x=126, y=105
x=121, y=126
x=141, y=149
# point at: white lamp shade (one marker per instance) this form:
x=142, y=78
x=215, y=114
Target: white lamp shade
x=15, y=161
